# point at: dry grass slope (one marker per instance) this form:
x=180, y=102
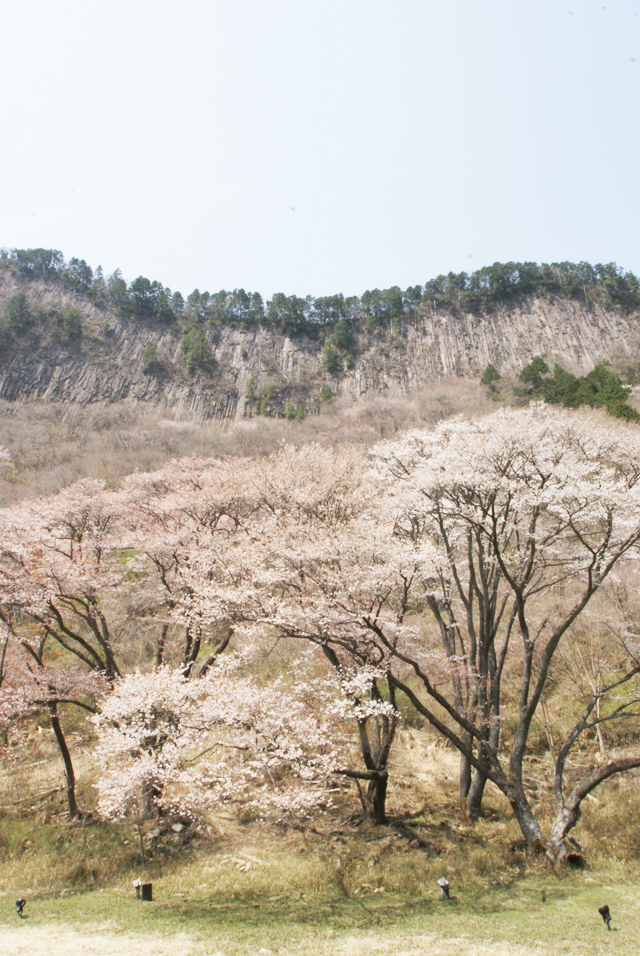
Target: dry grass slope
x=52, y=445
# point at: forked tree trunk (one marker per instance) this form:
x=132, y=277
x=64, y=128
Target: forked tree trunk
x=558, y=847
x=376, y=735
x=479, y=782
x=559, y=844
x=70, y=776
x=372, y=791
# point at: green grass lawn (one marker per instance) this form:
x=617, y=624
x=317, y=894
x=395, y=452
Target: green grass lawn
x=323, y=888
x=538, y=914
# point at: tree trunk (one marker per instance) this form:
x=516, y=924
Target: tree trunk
x=558, y=846
x=479, y=782
x=476, y=792
x=465, y=779
x=529, y=826
x=475, y=795
x=66, y=758
x=599, y=733
x=374, y=796
x=151, y=795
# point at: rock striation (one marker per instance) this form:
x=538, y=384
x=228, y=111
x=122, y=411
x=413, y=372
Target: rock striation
x=107, y=363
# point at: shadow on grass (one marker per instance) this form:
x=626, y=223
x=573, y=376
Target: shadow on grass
x=244, y=915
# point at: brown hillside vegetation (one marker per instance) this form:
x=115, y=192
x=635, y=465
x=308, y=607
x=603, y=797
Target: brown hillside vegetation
x=49, y=444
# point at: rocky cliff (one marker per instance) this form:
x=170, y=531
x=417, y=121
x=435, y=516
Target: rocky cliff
x=109, y=361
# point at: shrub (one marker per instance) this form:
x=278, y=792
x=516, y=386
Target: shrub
x=69, y=324
x=331, y=359
x=198, y=352
x=152, y=364
x=17, y=315
x=490, y=375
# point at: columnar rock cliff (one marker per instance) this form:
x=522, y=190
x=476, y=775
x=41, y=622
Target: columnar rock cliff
x=107, y=362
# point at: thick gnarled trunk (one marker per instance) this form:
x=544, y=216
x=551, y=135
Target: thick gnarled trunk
x=560, y=846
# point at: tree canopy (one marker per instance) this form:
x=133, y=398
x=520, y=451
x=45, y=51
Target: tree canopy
x=332, y=317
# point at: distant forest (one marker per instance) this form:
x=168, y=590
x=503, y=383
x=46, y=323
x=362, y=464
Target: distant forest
x=333, y=320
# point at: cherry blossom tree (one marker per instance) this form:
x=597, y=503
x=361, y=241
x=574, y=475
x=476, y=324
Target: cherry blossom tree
x=518, y=519
x=168, y=744
x=30, y=686
x=57, y=564
x=319, y=562
x=15, y=703
x=59, y=570
x=255, y=546
x=189, y=508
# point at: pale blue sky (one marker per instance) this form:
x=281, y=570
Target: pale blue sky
x=321, y=146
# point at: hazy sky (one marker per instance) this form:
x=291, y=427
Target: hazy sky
x=320, y=146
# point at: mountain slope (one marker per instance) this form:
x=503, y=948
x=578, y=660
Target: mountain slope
x=68, y=345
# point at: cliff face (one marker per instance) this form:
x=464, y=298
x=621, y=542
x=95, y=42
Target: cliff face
x=106, y=364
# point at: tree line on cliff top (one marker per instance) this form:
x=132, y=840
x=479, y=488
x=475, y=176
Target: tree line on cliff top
x=375, y=311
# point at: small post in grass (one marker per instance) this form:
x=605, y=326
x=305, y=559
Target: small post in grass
x=443, y=883
x=136, y=885
x=605, y=913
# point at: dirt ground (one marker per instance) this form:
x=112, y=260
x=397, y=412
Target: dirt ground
x=61, y=940
x=101, y=940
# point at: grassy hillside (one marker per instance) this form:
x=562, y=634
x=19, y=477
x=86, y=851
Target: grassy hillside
x=325, y=887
